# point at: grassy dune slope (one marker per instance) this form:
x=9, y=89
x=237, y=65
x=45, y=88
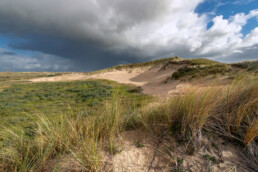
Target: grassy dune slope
x=43, y=123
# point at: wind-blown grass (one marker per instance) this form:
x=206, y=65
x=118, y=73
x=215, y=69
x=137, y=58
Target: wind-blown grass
x=64, y=134
x=239, y=110
x=228, y=111
x=233, y=108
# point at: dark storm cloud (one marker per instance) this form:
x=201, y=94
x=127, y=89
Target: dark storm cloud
x=93, y=20
x=84, y=31
x=86, y=55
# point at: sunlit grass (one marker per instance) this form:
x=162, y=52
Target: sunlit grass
x=229, y=111
x=232, y=110
x=81, y=136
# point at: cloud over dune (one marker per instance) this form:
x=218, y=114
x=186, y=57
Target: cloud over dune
x=91, y=34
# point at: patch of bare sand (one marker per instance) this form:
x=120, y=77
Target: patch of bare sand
x=137, y=154
x=145, y=153
x=156, y=80
x=123, y=76
x=64, y=163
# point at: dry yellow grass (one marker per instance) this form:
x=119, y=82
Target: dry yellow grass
x=232, y=112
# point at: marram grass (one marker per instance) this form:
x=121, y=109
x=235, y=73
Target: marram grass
x=230, y=111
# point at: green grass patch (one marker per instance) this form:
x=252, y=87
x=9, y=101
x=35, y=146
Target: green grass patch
x=7, y=79
x=249, y=65
x=203, y=61
x=46, y=120
x=190, y=72
x=15, y=76
x=17, y=101
x=144, y=64
x=211, y=158
x=80, y=97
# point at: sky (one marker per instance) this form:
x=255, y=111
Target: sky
x=87, y=35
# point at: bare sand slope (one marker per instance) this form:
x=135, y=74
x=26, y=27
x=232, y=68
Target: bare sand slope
x=123, y=76
x=156, y=82
x=151, y=79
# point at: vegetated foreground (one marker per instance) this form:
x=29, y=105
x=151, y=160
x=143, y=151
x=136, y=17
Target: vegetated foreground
x=208, y=124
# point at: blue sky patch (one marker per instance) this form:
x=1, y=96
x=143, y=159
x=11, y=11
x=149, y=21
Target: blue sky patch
x=228, y=8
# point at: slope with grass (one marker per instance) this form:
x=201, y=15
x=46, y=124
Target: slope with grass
x=165, y=77
x=100, y=125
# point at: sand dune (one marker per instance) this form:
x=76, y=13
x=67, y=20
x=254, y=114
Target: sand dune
x=151, y=79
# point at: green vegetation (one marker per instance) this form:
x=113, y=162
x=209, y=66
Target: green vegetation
x=199, y=61
x=84, y=97
x=202, y=61
x=41, y=122
x=68, y=132
x=149, y=63
x=211, y=158
x=249, y=65
x=232, y=112
x=180, y=160
x=201, y=71
x=139, y=145
x=16, y=76
x=8, y=79
x=49, y=98
x=204, y=67
x=145, y=64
